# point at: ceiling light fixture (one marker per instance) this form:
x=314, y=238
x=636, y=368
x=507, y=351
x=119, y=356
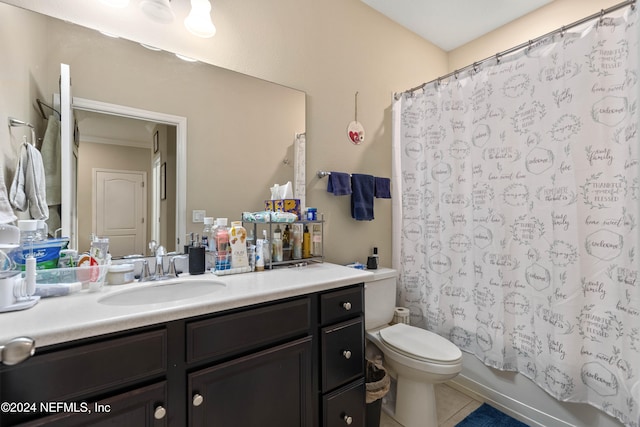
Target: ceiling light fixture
x=158, y=10
x=116, y=3
x=198, y=22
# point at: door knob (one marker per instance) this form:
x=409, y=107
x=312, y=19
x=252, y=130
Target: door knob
x=348, y=420
x=346, y=354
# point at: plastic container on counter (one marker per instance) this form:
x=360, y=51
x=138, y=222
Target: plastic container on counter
x=120, y=274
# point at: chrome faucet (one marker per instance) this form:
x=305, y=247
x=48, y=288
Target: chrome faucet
x=160, y=253
x=159, y=274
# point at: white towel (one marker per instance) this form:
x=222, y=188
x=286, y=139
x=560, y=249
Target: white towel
x=50, y=151
x=28, y=189
x=6, y=212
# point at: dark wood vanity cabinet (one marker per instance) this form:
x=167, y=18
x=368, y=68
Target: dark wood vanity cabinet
x=342, y=357
x=294, y=362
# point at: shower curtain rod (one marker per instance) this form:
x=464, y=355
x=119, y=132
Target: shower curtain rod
x=497, y=56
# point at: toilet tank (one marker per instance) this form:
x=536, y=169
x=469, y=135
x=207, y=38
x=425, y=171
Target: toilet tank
x=379, y=297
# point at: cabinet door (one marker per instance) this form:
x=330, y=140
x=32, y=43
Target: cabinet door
x=143, y=407
x=83, y=372
x=342, y=353
x=269, y=388
x=345, y=407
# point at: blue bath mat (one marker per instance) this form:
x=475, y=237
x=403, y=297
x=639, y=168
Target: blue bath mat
x=488, y=416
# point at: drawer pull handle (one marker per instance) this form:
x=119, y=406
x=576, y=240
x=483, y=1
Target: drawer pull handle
x=347, y=419
x=197, y=399
x=346, y=354
x=159, y=413
x=346, y=305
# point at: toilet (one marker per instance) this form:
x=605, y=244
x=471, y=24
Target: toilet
x=417, y=358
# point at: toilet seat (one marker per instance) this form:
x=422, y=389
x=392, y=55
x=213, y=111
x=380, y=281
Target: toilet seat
x=420, y=344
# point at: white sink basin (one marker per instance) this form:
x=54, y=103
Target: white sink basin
x=162, y=292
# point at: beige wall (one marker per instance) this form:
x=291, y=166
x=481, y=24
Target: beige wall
x=21, y=85
x=542, y=21
x=330, y=49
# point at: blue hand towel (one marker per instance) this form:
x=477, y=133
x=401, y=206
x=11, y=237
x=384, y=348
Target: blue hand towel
x=383, y=188
x=362, y=187
x=339, y=184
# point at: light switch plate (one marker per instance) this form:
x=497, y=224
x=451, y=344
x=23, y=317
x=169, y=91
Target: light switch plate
x=198, y=215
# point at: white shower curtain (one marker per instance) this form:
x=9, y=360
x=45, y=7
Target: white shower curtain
x=516, y=214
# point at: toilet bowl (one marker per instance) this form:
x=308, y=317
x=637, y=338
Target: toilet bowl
x=416, y=357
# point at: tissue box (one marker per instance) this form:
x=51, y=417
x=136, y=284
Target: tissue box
x=283, y=205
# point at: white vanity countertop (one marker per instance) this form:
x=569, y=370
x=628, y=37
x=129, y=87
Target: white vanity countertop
x=80, y=315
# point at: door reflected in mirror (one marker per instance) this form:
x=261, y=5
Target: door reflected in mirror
x=124, y=165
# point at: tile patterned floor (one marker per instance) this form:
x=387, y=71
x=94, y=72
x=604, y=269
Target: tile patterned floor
x=452, y=406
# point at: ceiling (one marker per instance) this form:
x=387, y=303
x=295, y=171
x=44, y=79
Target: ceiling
x=453, y=23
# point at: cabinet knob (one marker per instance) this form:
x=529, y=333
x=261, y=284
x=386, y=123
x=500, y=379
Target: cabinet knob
x=17, y=350
x=159, y=412
x=347, y=419
x=346, y=354
x=197, y=399
x=346, y=305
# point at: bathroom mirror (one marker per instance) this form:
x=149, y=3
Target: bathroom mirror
x=240, y=129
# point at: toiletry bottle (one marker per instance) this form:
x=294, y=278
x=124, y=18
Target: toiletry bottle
x=276, y=254
x=286, y=243
x=266, y=250
x=259, y=255
x=251, y=238
x=207, y=233
x=306, y=243
x=238, y=242
x=296, y=237
x=221, y=238
x=286, y=237
x=372, y=261
x=316, y=240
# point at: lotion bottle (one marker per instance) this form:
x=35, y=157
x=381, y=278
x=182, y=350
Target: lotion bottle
x=266, y=250
x=238, y=241
x=306, y=243
x=221, y=238
x=296, y=237
x=277, y=246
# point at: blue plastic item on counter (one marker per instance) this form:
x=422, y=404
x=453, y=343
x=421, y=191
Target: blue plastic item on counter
x=312, y=214
x=357, y=266
x=46, y=253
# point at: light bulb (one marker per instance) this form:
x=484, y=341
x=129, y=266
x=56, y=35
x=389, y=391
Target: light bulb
x=198, y=22
x=158, y=10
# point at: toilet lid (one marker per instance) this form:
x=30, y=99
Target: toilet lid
x=420, y=344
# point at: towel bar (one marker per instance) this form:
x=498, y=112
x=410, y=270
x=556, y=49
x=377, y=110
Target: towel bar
x=13, y=122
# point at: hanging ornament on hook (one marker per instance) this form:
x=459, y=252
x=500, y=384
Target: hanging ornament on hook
x=355, y=130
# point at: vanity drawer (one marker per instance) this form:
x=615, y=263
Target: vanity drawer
x=231, y=334
x=86, y=370
x=342, y=353
x=341, y=305
x=345, y=407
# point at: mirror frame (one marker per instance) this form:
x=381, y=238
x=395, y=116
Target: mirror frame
x=179, y=122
